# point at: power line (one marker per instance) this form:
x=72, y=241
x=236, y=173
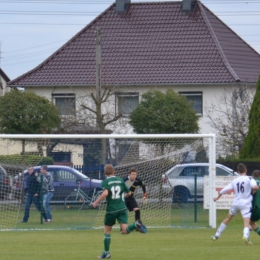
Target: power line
x=84, y=24
x=132, y=53
x=90, y=13
x=35, y=46
x=65, y=40
x=63, y=13
x=110, y=1
x=22, y=56
x=76, y=24
x=58, y=2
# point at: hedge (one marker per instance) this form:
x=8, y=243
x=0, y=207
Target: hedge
x=17, y=159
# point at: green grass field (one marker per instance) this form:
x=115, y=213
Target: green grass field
x=162, y=244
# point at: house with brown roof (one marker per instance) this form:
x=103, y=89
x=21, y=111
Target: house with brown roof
x=152, y=45
x=3, y=83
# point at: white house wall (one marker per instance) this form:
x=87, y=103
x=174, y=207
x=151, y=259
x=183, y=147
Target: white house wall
x=5, y=88
x=75, y=149
x=10, y=147
x=209, y=92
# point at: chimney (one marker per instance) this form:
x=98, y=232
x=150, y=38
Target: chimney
x=188, y=5
x=122, y=5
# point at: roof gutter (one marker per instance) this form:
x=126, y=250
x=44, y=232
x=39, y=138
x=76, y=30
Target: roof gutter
x=138, y=85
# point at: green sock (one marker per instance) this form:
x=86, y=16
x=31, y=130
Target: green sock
x=131, y=227
x=107, y=240
x=257, y=230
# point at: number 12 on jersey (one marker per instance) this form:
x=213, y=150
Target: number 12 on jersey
x=116, y=190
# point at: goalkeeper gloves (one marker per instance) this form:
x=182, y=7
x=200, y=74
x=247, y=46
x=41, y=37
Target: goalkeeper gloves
x=145, y=197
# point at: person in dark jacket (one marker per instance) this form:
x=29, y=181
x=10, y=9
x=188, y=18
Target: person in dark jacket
x=32, y=188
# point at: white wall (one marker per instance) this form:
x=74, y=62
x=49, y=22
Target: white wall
x=5, y=88
x=209, y=93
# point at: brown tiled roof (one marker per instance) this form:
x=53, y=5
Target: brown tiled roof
x=152, y=43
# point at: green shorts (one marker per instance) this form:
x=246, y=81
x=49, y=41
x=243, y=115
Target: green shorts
x=255, y=216
x=111, y=217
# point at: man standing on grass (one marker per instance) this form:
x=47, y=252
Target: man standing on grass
x=32, y=189
x=243, y=186
x=114, y=190
x=48, y=190
x=132, y=182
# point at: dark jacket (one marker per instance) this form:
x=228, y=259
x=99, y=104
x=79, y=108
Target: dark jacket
x=32, y=185
x=132, y=186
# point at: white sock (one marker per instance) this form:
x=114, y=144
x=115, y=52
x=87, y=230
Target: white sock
x=221, y=228
x=246, y=232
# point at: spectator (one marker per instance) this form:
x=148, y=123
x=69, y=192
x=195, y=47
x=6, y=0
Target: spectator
x=32, y=189
x=48, y=190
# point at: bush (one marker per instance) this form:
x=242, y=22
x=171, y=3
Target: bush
x=25, y=160
x=46, y=161
x=251, y=163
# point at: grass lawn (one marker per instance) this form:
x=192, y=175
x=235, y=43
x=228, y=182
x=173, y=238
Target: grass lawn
x=156, y=244
x=162, y=244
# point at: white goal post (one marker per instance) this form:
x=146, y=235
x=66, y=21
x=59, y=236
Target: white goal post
x=146, y=149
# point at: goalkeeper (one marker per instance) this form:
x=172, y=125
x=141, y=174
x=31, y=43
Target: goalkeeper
x=132, y=182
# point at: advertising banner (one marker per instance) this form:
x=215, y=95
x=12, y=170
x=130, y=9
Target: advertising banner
x=225, y=200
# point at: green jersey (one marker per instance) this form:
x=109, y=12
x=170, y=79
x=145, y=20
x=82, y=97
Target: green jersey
x=116, y=188
x=256, y=196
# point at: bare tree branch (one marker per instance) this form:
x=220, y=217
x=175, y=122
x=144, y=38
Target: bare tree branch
x=229, y=117
x=88, y=108
x=113, y=120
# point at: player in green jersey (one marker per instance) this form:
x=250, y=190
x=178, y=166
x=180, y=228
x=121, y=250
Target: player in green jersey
x=115, y=191
x=255, y=216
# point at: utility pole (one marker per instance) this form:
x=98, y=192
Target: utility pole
x=99, y=123
x=98, y=65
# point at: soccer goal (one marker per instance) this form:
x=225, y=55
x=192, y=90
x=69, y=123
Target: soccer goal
x=171, y=166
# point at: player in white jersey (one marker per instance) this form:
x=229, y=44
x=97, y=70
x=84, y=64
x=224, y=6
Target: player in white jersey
x=243, y=187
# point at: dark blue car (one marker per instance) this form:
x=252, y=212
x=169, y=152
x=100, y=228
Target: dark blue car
x=65, y=181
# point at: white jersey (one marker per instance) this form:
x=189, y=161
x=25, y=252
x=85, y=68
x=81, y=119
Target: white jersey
x=242, y=186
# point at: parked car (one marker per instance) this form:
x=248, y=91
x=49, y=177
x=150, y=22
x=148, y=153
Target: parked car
x=180, y=179
x=5, y=185
x=65, y=181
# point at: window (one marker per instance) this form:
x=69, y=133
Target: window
x=192, y=170
x=127, y=102
x=221, y=172
x=61, y=156
x=66, y=176
x=65, y=103
x=196, y=99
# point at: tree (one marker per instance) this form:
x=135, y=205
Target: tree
x=251, y=148
x=229, y=117
x=99, y=113
x=168, y=113
x=27, y=113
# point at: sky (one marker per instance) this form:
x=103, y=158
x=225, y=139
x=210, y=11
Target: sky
x=32, y=30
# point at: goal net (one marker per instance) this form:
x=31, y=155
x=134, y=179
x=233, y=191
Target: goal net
x=171, y=167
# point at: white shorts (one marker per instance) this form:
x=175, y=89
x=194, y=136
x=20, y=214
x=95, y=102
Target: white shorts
x=245, y=210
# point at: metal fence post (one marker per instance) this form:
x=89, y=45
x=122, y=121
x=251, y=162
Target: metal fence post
x=195, y=198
